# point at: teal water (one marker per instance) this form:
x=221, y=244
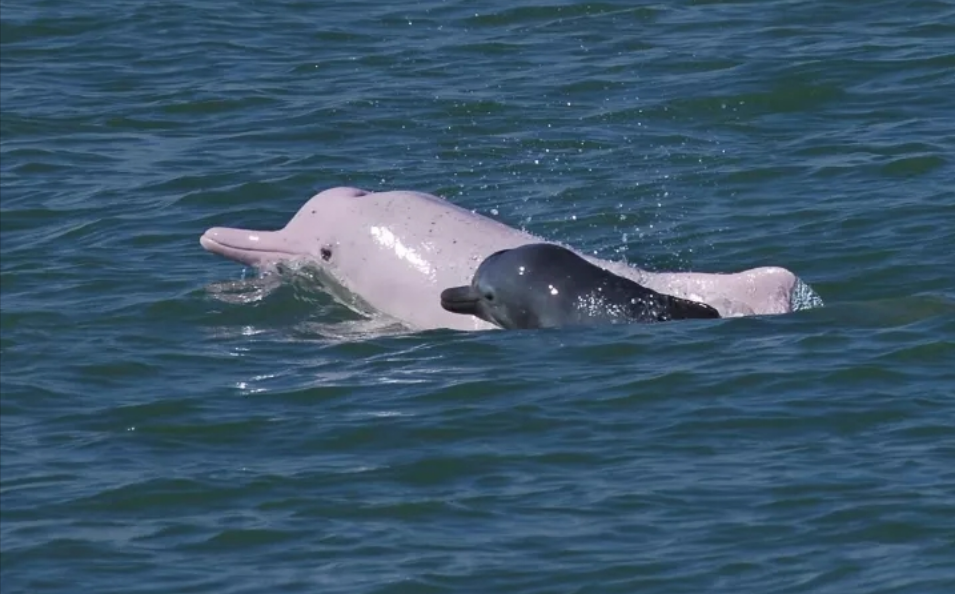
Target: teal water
x=170, y=423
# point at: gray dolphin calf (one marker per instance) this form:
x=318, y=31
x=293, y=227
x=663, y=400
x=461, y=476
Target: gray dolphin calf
x=543, y=285
x=398, y=250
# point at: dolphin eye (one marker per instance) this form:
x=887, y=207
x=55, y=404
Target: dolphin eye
x=326, y=254
x=489, y=296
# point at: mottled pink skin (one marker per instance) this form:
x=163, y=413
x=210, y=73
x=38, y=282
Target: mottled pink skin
x=398, y=250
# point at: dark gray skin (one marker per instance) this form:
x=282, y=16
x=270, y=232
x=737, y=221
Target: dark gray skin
x=542, y=285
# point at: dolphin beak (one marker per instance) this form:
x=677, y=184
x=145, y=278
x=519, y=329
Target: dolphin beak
x=461, y=300
x=253, y=248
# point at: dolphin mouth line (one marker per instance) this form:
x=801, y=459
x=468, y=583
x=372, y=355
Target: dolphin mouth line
x=208, y=242
x=238, y=245
x=460, y=300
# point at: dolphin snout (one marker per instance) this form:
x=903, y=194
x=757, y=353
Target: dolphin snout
x=250, y=247
x=462, y=300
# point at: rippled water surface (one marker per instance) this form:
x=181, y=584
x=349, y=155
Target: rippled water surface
x=171, y=423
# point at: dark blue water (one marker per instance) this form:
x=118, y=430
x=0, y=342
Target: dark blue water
x=169, y=423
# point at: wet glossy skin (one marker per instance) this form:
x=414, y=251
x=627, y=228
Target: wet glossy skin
x=545, y=285
x=398, y=250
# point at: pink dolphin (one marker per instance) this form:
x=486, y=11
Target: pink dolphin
x=398, y=250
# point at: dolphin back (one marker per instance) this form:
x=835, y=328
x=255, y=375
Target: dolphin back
x=676, y=308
